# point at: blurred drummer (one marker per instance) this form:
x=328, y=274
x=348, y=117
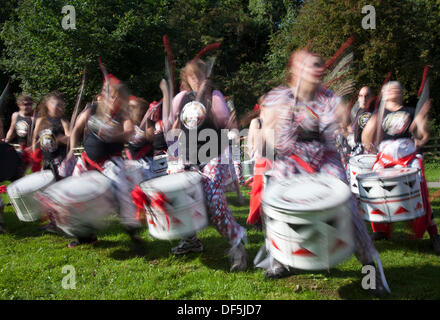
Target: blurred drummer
x=402, y=133
x=140, y=145
x=360, y=115
x=21, y=122
x=303, y=115
x=108, y=127
x=190, y=118
x=51, y=132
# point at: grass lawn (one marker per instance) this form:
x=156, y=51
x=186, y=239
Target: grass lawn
x=31, y=266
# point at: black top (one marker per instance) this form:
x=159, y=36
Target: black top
x=22, y=128
x=359, y=124
x=193, y=119
x=396, y=124
x=49, y=146
x=95, y=147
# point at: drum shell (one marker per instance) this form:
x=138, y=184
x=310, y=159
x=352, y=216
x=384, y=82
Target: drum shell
x=81, y=217
x=312, y=239
x=357, y=165
x=186, y=208
x=27, y=207
x=134, y=171
x=392, y=198
x=173, y=167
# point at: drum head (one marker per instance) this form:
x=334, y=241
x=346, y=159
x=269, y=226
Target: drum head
x=170, y=183
x=31, y=183
x=10, y=162
x=363, y=160
x=305, y=193
x=86, y=187
x=388, y=173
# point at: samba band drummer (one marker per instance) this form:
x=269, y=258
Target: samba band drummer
x=305, y=130
x=51, y=132
x=21, y=122
x=403, y=134
x=108, y=128
x=191, y=118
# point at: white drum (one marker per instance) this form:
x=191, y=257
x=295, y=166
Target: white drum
x=358, y=165
x=82, y=204
x=134, y=171
x=21, y=194
x=308, y=221
x=184, y=211
x=390, y=195
x=173, y=167
x=248, y=168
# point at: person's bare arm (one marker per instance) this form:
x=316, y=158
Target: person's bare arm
x=419, y=127
x=11, y=132
x=269, y=117
x=35, y=140
x=149, y=130
x=78, y=129
x=64, y=138
x=369, y=133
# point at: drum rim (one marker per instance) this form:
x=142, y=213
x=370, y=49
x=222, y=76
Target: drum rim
x=343, y=201
x=12, y=188
x=373, y=174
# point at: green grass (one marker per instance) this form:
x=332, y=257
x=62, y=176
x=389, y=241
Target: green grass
x=432, y=171
x=31, y=268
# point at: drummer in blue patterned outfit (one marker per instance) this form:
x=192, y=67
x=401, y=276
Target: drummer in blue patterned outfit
x=210, y=112
x=402, y=135
x=305, y=128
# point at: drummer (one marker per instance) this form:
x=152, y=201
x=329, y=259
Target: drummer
x=403, y=134
x=360, y=115
x=51, y=132
x=140, y=145
x=303, y=115
x=21, y=122
x=192, y=118
x=108, y=127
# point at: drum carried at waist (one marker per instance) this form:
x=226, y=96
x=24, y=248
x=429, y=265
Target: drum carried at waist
x=308, y=221
x=82, y=204
x=177, y=208
x=22, y=194
x=390, y=195
x=362, y=163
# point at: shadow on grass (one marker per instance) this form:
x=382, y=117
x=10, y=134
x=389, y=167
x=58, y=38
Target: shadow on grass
x=404, y=282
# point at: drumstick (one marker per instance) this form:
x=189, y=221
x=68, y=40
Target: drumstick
x=424, y=90
x=77, y=104
x=4, y=94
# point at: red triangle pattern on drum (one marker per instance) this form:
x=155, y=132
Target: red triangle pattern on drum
x=175, y=220
x=151, y=222
x=362, y=211
x=377, y=211
x=197, y=215
x=303, y=252
x=275, y=245
x=419, y=206
x=354, y=173
x=401, y=210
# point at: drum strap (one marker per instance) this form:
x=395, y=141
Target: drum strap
x=391, y=162
x=89, y=163
x=302, y=163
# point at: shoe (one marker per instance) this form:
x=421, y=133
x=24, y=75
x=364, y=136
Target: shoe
x=188, y=245
x=50, y=227
x=435, y=242
x=80, y=241
x=277, y=271
x=238, y=257
x=379, y=236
